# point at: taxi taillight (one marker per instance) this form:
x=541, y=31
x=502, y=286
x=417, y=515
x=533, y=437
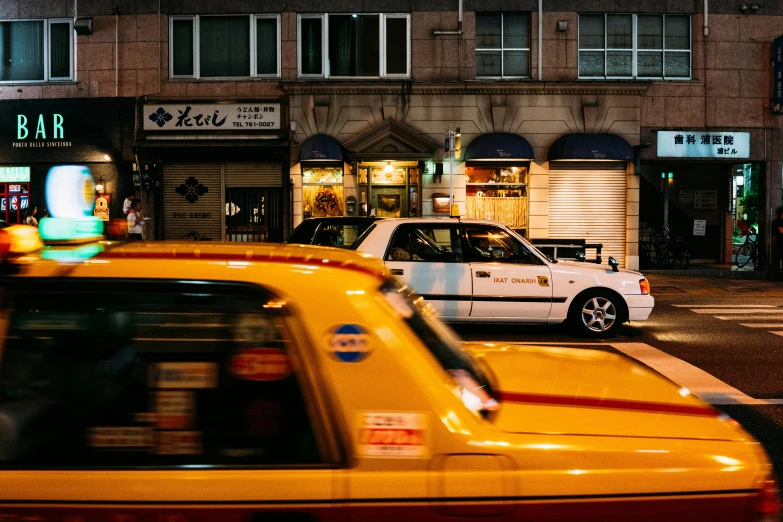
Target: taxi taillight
x=18, y=240
x=644, y=286
x=766, y=503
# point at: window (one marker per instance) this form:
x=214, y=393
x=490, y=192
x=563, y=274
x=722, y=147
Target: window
x=340, y=235
x=473, y=385
x=436, y=244
x=494, y=245
x=111, y=373
x=635, y=46
x=502, y=45
x=36, y=50
x=235, y=46
x=354, y=45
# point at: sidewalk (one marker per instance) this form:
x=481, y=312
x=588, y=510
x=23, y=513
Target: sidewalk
x=713, y=271
x=667, y=286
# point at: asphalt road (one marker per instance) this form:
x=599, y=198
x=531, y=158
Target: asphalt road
x=720, y=338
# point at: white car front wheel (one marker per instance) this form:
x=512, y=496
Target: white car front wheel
x=595, y=314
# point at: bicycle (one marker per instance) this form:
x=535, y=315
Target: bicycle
x=751, y=250
x=195, y=236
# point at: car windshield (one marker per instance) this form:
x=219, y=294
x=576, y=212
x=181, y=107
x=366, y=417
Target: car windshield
x=362, y=237
x=303, y=234
x=531, y=247
x=471, y=382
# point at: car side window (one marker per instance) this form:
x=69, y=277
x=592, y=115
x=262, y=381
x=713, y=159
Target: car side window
x=495, y=245
x=339, y=235
x=106, y=373
x=433, y=243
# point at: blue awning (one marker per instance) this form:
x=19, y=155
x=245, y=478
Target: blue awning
x=321, y=147
x=499, y=146
x=590, y=147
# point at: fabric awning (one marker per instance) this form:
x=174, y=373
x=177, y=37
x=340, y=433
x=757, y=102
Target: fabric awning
x=321, y=147
x=499, y=146
x=590, y=147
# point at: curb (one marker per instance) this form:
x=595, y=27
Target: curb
x=715, y=274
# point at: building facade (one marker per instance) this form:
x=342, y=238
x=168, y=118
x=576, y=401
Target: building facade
x=592, y=120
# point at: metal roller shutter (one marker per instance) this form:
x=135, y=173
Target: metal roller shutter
x=253, y=175
x=587, y=202
x=203, y=215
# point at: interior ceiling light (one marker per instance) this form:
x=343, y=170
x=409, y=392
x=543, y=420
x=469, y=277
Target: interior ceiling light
x=388, y=169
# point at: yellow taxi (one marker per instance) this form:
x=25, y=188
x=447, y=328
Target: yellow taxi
x=183, y=382
x=176, y=382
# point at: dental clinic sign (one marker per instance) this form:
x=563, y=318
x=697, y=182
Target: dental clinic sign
x=40, y=130
x=703, y=144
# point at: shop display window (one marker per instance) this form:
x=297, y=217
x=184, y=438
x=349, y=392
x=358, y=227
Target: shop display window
x=322, y=192
x=498, y=193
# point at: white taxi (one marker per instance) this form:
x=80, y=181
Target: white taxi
x=482, y=271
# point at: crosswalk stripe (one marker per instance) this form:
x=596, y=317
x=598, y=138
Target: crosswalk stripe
x=778, y=311
x=762, y=325
x=777, y=333
x=724, y=306
x=702, y=384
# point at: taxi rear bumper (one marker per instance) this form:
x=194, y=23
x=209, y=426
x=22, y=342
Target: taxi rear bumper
x=639, y=306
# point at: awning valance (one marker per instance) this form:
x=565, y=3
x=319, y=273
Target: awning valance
x=499, y=146
x=590, y=147
x=321, y=147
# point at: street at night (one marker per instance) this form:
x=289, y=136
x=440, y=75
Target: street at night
x=720, y=338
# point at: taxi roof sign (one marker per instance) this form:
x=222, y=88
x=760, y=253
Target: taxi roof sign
x=70, y=198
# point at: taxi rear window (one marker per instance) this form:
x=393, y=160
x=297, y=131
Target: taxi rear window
x=107, y=373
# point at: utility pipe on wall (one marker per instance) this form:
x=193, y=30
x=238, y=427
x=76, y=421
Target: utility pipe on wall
x=541, y=39
x=706, y=17
x=459, y=25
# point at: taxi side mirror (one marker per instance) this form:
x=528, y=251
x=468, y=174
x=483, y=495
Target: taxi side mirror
x=580, y=256
x=613, y=263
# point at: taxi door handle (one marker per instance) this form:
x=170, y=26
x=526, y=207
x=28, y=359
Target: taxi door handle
x=397, y=271
x=481, y=273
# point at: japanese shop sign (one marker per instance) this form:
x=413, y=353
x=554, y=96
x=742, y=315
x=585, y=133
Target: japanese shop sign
x=211, y=117
x=705, y=199
x=777, y=75
x=686, y=196
x=703, y=144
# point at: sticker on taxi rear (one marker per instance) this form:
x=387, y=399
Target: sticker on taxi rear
x=392, y=434
x=350, y=343
x=184, y=375
x=261, y=364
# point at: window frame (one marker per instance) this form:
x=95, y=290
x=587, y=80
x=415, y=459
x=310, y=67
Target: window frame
x=47, y=61
x=456, y=232
x=503, y=48
x=634, y=50
x=325, y=69
x=471, y=257
x=253, y=43
x=322, y=405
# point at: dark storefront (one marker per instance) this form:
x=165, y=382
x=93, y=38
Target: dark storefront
x=216, y=170
x=36, y=135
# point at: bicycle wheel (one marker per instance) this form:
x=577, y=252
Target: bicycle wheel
x=743, y=255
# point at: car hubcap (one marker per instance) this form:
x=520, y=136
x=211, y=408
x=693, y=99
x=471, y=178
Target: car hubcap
x=599, y=314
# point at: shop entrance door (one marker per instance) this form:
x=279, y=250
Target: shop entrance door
x=390, y=202
x=253, y=214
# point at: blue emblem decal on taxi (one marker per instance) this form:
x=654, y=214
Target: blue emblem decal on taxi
x=349, y=343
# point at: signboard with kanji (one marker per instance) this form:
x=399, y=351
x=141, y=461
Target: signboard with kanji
x=705, y=199
x=211, y=117
x=777, y=75
x=703, y=144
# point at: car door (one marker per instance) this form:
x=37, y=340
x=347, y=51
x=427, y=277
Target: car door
x=170, y=392
x=428, y=257
x=509, y=281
